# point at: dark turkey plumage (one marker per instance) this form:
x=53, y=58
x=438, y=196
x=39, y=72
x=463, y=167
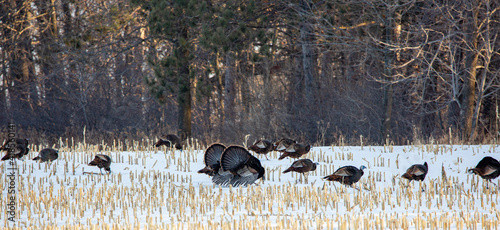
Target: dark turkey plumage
x=47, y=154
x=283, y=143
x=170, y=140
x=102, y=161
x=262, y=147
x=15, y=150
x=238, y=167
x=416, y=172
x=488, y=168
x=301, y=166
x=212, y=159
x=347, y=175
x=295, y=150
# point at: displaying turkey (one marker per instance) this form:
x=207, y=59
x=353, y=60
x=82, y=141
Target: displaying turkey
x=170, y=140
x=295, y=150
x=47, y=154
x=302, y=166
x=488, y=168
x=15, y=150
x=416, y=172
x=262, y=147
x=212, y=159
x=283, y=143
x=101, y=161
x=238, y=167
x=347, y=175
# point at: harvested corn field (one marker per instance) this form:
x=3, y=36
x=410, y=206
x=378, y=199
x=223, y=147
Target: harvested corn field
x=149, y=188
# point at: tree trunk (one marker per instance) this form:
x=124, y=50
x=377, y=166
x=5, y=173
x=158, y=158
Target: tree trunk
x=309, y=60
x=184, y=86
x=229, y=93
x=307, y=64
x=469, y=78
x=392, y=36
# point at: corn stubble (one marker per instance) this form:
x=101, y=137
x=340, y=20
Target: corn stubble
x=143, y=195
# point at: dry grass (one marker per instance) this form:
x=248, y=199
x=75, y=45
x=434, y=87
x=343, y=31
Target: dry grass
x=153, y=190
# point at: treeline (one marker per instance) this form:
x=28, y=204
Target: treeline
x=321, y=72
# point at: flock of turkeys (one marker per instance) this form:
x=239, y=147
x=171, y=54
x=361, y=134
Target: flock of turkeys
x=20, y=148
x=234, y=165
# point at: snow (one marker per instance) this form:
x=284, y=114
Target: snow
x=151, y=189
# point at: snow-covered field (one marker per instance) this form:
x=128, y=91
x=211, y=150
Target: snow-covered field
x=151, y=189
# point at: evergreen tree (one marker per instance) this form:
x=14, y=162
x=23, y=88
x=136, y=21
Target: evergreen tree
x=233, y=29
x=176, y=23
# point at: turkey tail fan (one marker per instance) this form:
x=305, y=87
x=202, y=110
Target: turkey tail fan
x=213, y=155
x=212, y=159
x=233, y=158
x=244, y=167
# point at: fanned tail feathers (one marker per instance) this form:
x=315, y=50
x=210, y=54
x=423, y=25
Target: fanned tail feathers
x=213, y=155
x=233, y=158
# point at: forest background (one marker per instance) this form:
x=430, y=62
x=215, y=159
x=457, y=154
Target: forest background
x=322, y=72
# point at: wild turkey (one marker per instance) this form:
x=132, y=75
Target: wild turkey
x=302, y=166
x=238, y=167
x=295, y=151
x=347, y=175
x=488, y=168
x=47, y=154
x=262, y=147
x=283, y=143
x=416, y=172
x=170, y=140
x=212, y=159
x=101, y=161
x=19, y=150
